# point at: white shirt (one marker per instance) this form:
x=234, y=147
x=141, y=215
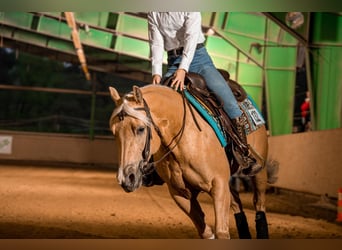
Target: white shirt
x=172, y=30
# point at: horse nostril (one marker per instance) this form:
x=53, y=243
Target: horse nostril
x=131, y=178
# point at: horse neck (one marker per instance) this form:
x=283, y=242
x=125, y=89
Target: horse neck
x=163, y=102
x=166, y=107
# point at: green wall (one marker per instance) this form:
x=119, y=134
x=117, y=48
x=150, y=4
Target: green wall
x=258, y=52
x=325, y=57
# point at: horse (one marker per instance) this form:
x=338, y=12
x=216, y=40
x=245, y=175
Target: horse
x=155, y=120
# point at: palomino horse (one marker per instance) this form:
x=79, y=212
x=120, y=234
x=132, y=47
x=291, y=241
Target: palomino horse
x=155, y=120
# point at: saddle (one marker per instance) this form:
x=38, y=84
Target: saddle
x=197, y=87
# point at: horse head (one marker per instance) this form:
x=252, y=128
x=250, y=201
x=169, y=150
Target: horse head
x=130, y=124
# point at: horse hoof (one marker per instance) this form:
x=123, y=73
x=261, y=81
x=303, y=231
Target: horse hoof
x=208, y=233
x=223, y=235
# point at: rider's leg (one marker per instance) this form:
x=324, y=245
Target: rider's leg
x=202, y=64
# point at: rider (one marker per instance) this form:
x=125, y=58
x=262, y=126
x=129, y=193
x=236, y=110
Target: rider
x=180, y=34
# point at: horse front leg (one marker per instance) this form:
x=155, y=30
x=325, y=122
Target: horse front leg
x=192, y=208
x=221, y=199
x=259, y=182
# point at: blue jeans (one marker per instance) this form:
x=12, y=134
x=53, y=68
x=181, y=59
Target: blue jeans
x=203, y=65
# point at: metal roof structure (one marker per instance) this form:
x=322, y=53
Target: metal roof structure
x=262, y=51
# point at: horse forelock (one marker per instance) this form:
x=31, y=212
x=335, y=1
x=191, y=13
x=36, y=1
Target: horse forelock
x=126, y=109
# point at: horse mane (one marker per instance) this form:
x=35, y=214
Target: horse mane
x=125, y=108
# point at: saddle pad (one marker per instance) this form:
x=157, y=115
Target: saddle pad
x=248, y=106
x=208, y=117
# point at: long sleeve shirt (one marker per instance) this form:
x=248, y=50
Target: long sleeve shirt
x=172, y=30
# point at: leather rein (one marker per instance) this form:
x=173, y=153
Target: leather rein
x=146, y=167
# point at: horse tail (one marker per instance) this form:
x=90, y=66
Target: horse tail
x=272, y=167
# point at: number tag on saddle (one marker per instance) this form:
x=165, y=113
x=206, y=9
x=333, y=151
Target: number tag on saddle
x=257, y=119
x=254, y=118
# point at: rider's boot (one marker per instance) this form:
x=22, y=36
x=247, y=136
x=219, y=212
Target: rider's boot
x=249, y=165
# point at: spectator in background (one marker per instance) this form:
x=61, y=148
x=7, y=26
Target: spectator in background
x=305, y=113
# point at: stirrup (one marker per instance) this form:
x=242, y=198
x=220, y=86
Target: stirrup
x=249, y=164
x=253, y=167
x=253, y=160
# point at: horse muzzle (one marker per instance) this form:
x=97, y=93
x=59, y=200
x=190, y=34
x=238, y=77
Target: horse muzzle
x=131, y=178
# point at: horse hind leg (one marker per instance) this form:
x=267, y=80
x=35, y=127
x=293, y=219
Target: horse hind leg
x=261, y=225
x=258, y=139
x=259, y=199
x=259, y=204
x=239, y=215
x=242, y=225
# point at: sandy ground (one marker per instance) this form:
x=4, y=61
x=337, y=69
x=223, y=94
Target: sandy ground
x=76, y=203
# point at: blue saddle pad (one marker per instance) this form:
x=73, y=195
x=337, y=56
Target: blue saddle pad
x=248, y=106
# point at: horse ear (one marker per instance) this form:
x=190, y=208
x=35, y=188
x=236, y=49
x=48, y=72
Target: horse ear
x=137, y=94
x=115, y=95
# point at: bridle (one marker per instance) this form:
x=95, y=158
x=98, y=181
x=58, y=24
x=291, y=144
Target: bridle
x=147, y=166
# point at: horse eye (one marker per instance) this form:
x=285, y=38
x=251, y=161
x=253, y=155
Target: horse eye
x=140, y=130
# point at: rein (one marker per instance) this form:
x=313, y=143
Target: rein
x=147, y=167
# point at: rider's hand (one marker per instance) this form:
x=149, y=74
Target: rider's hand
x=156, y=79
x=178, y=79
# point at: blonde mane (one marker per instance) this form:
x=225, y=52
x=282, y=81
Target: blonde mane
x=128, y=110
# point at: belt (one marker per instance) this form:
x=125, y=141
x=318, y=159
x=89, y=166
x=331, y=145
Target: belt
x=179, y=51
